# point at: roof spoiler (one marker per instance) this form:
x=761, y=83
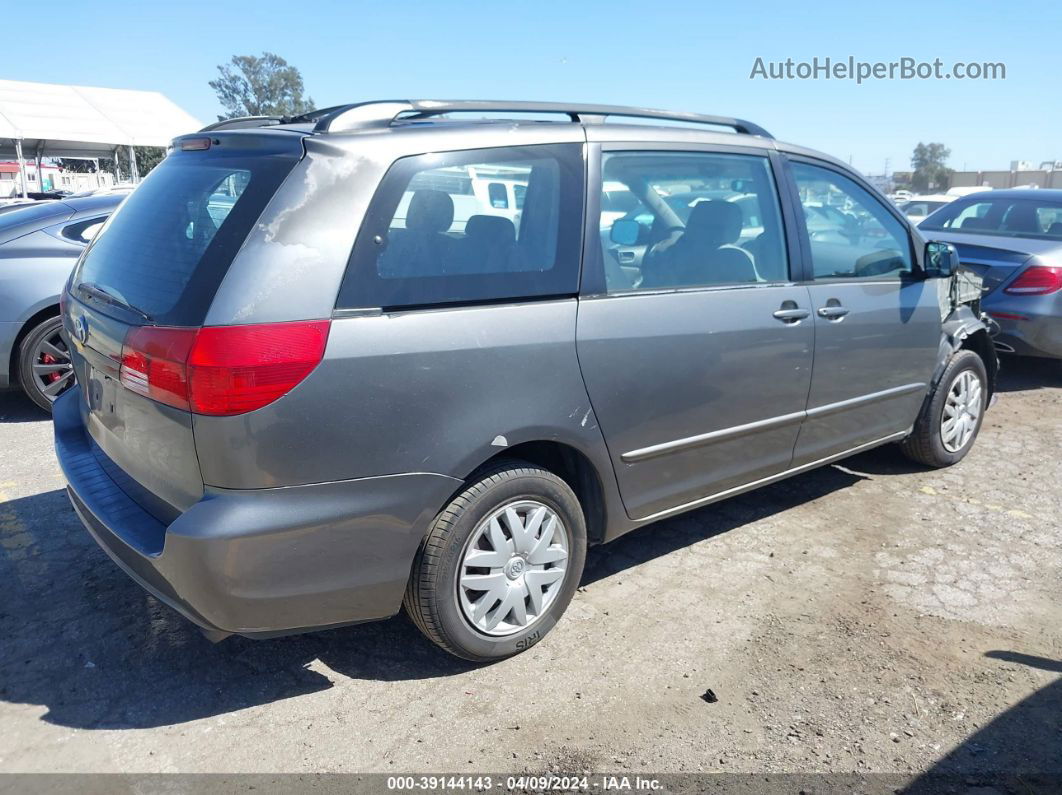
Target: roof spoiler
x=243, y=121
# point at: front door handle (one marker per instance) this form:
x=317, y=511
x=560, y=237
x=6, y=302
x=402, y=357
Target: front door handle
x=833, y=312
x=791, y=315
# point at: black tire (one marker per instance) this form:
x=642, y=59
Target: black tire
x=29, y=354
x=926, y=444
x=431, y=597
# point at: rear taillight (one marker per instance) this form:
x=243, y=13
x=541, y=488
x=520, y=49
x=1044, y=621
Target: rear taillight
x=234, y=369
x=221, y=370
x=1036, y=280
x=154, y=363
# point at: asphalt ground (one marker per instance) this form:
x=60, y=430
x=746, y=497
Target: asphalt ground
x=868, y=617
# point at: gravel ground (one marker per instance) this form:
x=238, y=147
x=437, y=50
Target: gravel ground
x=865, y=617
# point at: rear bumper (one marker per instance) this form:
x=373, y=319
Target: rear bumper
x=1030, y=325
x=1027, y=330
x=259, y=562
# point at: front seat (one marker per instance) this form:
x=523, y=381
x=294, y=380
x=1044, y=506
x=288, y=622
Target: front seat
x=704, y=253
x=422, y=248
x=1023, y=219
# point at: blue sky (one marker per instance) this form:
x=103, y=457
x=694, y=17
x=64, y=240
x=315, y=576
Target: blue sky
x=682, y=55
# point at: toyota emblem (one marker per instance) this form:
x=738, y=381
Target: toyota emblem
x=81, y=329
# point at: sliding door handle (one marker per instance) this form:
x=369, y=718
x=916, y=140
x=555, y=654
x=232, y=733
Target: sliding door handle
x=833, y=312
x=791, y=315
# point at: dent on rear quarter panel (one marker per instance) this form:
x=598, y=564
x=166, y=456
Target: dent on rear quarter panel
x=416, y=391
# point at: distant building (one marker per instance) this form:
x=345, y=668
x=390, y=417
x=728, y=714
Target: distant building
x=1049, y=175
x=882, y=182
x=902, y=177
x=11, y=179
x=52, y=177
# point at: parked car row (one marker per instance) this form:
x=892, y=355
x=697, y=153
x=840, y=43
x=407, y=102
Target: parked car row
x=307, y=400
x=39, y=244
x=1013, y=240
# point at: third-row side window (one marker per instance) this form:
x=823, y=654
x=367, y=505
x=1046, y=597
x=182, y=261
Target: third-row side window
x=473, y=225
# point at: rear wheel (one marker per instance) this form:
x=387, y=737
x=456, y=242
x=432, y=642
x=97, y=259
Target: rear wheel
x=44, y=367
x=499, y=564
x=951, y=417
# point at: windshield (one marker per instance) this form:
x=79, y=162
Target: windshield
x=1010, y=217
x=168, y=247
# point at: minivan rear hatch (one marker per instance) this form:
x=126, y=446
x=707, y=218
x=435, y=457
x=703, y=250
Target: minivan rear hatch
x=145, y=283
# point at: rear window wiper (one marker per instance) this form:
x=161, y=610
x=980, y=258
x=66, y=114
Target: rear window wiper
x=103, y=294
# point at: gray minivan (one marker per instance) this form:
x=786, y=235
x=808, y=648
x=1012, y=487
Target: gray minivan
x=322, y=374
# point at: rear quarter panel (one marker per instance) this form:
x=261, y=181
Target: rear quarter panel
x=33, y=270
x=415, y=391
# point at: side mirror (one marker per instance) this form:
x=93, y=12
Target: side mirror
x=625, y=232
x=941, y=259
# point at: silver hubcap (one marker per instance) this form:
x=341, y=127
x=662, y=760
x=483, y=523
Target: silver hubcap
x=961, y=411
x=52, y=370
x=512, y=568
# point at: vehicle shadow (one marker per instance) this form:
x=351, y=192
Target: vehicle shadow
x=88, y=643
x=1023, y=373
x=661, y=538
x=16, y=407
x=1018, y=751
x=84, y=640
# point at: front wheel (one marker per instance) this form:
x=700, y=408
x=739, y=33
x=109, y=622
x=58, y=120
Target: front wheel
x=951, y=417
x=499, y=564
x=44, y=367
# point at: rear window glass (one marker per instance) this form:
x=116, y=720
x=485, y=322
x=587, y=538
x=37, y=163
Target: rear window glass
x=1010, y=217
x=441, y=229
x=15, y=217
x=167, y=248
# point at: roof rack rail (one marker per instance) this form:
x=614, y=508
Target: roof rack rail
x=243, y=121
x=383, y=113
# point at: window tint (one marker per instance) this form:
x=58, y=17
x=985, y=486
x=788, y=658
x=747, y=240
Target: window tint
x=689, y=220
x=169, y=244
x=1010, y=217
x=852, y=234
x=438, y=231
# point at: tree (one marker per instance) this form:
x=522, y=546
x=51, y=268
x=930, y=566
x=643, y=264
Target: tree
x=930, y=169
x=266, y=86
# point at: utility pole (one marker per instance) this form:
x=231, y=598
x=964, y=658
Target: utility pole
x=21, y=165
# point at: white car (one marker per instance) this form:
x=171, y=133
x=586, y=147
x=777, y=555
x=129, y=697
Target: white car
x=918, y=207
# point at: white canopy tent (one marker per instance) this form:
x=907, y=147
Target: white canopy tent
x=50, y=120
